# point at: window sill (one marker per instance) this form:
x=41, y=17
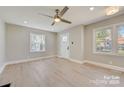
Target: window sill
x=111, y=54
x=37, y=51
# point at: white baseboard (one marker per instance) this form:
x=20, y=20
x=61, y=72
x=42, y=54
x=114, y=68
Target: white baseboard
x=105, y=65
x=23, y=61
x=29, y=60
x=76, y=61
x=72, y=60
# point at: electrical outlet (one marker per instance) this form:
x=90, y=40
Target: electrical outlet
x=110, y=62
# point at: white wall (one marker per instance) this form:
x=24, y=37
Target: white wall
x=75, y=36
x=18, y=43
x=2, y=43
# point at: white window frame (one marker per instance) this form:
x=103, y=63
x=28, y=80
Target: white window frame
x=115, y=26
x=31, y=43
x=114, y=37
x=94, y=40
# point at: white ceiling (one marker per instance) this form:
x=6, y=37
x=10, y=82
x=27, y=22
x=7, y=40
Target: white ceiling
x=76, y=14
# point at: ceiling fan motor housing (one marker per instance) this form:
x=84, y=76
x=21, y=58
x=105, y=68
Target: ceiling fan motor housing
x=57, y=11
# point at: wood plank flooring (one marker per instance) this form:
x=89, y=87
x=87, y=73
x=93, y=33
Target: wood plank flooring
x=57, y=72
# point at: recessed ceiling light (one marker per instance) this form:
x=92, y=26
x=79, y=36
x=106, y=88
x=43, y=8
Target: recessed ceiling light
x=25, y=22
x=91, y=8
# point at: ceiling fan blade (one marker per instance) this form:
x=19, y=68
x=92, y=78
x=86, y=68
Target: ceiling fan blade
x=46, y=15
x=63, y=11
x=53, y=23
x=66, y=21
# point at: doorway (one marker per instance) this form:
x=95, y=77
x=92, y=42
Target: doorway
x=64, y=45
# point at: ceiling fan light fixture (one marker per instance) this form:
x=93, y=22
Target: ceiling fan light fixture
x=112, y=10
x=57, y=19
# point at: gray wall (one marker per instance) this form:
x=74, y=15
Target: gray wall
x=76, y=49
x=2, y=43
x=88, y=33
x=18, y=43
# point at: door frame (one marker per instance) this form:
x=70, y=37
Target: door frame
x=68, y=46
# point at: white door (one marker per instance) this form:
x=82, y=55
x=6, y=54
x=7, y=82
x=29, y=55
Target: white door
x=64, y=45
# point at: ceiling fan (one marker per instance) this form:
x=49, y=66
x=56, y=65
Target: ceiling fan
x=58, y=16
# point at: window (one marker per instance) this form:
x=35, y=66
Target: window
x=120, y=40
x=106, y=37
x=103, y=40
x=37, y=42
x=64, y=38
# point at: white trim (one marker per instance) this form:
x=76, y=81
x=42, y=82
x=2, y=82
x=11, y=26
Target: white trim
x=94, y=39
x=76, y=61
x=116, y=29
x=105, y=65
x=29, y=60
x=82, y=42
x=37, y=51
x=117, y=24
x=23, y=61
x=37, y=34
x=72, y=60
x=108, y=54
x=114, y=51
x=103, y=27
x=2, y=68
x=95, y=63
x=61, y=57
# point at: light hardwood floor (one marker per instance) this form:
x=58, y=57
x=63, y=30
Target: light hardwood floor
x=57, y=72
